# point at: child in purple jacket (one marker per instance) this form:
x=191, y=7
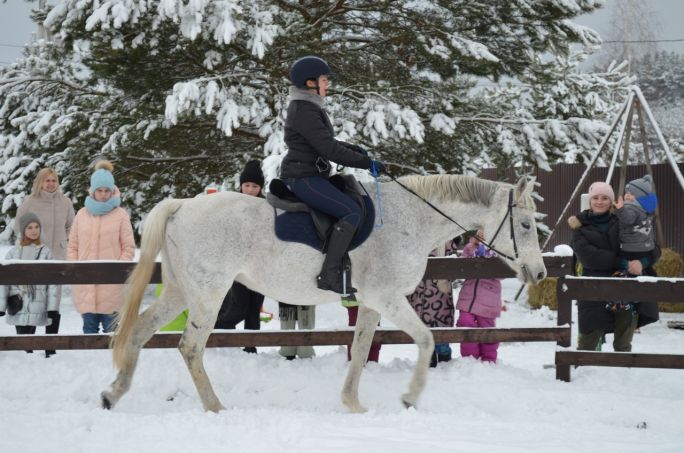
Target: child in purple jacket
x=479, y=303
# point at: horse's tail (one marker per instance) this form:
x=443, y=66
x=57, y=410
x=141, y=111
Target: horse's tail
x=153, y=238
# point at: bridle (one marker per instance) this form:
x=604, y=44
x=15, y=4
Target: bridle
x=509, y=215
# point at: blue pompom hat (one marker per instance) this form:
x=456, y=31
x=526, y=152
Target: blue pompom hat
x=642, y=189
x=102, y=176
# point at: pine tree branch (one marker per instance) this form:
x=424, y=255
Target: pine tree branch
x=333, y=9
x=21, y=80
x=293, y=7
x=170, y=159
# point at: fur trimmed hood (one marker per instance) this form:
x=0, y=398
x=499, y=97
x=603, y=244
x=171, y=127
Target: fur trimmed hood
x=574, y=222
x=583, y=218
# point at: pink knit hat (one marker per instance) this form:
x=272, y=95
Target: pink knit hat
x=601, y=188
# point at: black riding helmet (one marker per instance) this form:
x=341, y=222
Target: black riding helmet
x=307, y=68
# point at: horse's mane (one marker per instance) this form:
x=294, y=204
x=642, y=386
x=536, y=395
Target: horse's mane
x=464, y=188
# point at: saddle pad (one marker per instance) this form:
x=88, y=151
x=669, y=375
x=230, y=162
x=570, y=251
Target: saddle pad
x=298, y=227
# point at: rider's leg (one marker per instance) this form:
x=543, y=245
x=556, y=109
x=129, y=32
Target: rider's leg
x=332, y=272
x=320, y=194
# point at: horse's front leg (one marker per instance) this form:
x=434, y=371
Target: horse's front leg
x=366, y=322
x=201, y=320
x=400, y=312
x=158, y=314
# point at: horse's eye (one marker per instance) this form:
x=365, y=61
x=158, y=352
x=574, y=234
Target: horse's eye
x=525, y=225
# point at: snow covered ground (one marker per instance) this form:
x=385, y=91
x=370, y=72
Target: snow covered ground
x=294, y=406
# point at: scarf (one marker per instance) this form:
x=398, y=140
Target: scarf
x=101, y=207
x=30, y=290
x=300, y=94
x=601, y=220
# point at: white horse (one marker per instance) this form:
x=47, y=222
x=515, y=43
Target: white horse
x=208, y=243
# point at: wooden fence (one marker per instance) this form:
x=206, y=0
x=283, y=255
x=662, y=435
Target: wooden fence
x=643, y=289
x=116, y=272
x=568, y=289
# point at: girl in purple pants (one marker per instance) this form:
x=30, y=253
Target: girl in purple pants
x=479, y=303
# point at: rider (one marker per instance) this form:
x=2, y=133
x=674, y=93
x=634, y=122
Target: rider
x=305, y=169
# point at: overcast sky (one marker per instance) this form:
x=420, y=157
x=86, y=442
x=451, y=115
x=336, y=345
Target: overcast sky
x=16, y=27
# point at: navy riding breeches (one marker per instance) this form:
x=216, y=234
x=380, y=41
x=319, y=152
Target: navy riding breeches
x=319, y=193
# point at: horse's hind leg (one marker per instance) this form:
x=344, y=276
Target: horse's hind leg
x=200, y=323
x=163, y=310
x=406, y=319
x=363, y=337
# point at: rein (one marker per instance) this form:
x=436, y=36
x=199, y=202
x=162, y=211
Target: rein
x=509, y=215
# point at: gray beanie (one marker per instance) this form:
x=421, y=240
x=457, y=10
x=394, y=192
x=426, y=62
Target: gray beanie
x=640, y=187
x=25, y=220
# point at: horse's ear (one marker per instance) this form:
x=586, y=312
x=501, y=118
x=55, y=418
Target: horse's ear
x=525, y=186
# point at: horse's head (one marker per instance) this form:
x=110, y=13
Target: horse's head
x=514, y=234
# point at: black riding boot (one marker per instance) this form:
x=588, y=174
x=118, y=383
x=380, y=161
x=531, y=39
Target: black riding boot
x=333, y=275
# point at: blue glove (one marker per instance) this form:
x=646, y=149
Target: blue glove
x=377, y=167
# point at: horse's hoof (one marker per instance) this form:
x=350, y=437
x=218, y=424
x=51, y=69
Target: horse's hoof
x=216, y=409
x=358, y=409
x=106, y=404
x=408, y=402
x=354, y=406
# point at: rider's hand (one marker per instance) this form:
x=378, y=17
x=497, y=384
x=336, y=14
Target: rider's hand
x=619, y=203
x=377, y=167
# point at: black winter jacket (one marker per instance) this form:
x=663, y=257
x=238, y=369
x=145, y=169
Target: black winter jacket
x=598, y=252
x=309, y=136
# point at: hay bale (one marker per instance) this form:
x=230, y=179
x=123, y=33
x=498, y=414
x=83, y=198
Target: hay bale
x=543, y=293
x=670, y=264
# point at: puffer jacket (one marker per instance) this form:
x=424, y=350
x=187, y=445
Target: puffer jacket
x=598, y=253
x=311, y=142
x=636, y=228
x=107, y=237
x=480, y=296
x=37, y=299
x=433, y=299
x=56, y=214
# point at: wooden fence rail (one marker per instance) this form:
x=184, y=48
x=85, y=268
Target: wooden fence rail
x=288, y=338
x=619, y=359
x=113, y=272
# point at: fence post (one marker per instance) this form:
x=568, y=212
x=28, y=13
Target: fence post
x=564, y=317
x=564, y=309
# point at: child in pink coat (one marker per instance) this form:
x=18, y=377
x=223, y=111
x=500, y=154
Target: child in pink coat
x=479, y=303
x=101, y=231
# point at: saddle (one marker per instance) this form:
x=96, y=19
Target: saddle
x=297, y=222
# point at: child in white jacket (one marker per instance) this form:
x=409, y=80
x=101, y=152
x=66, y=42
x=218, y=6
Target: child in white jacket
x=30, y=305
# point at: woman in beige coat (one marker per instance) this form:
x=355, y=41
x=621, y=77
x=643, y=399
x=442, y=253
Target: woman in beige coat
x=56, y=214
x=101, y=231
